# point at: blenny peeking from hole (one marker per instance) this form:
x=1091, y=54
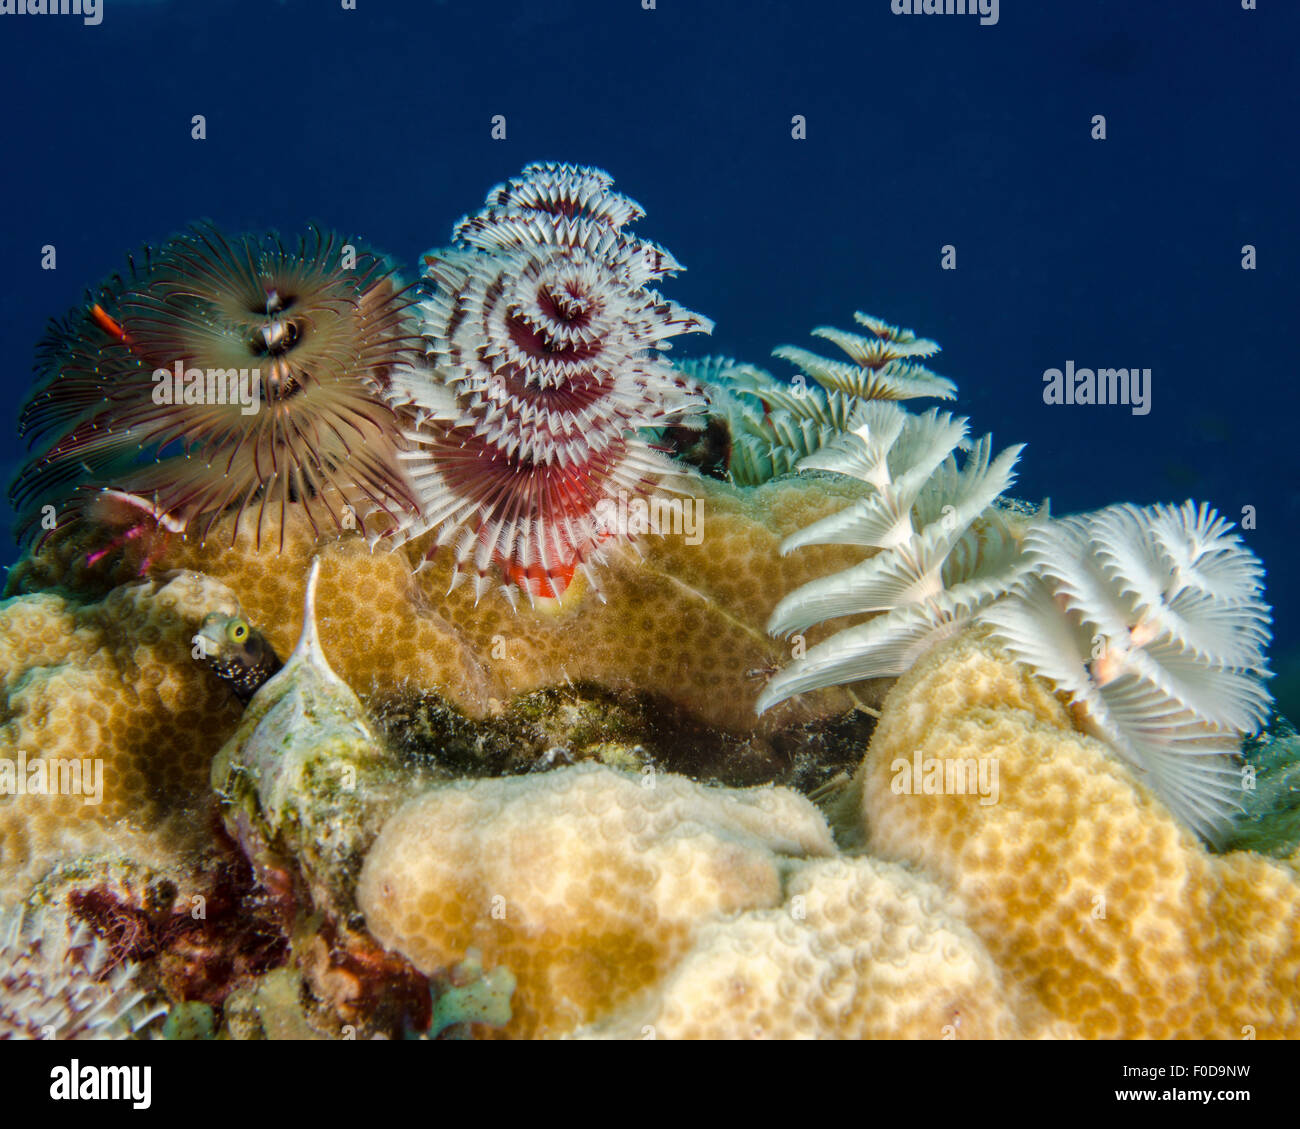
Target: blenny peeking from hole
x=236, y=652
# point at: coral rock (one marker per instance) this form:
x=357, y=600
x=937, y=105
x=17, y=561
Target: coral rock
x=684, y=623
x=861, y=949
x=114, y=683
x=1084, y=887
x=587, y=884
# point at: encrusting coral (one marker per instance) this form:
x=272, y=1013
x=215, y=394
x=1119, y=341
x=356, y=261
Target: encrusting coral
x=683, y=622
x=861, y=949
x=106, y=696
x=586, y=883
x=1021, y=883
x=1043, y=892
x=1083, y=886
x=444, y=816
x=1074, y=904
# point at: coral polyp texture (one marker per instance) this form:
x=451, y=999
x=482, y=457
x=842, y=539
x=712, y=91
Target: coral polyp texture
x=860, y=949
x=587, y=883
x=543, y=336
x=682, y=623
x=630, y=907
x=223, y=373
x=1152, y=622
x=109, y=723
x=1085, y=888
x=855, y=747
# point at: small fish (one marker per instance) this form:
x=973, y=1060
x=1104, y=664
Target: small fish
x=236, y=652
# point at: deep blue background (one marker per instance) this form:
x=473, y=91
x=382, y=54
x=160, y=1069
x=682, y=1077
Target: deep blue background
x=921, y=131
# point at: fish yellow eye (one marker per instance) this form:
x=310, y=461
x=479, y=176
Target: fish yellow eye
x=238, y=631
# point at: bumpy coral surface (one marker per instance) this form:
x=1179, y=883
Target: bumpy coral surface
x=861, y=949
x=1084, y=887
x=109, y=689
x=393, y=838
x=683, y=623
x=1071, y=904
x=587, y=884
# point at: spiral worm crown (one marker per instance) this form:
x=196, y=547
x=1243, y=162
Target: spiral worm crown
x=319, y=326
x=542, y=339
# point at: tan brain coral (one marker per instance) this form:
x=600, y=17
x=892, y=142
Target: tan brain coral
x=861, y=949
x=587, y=884
x=678, y=911
x=1085, y=889
x=686, y=623
x=112, y=682
x=1074, y=904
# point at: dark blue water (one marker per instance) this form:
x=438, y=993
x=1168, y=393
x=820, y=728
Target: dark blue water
x=921, y=131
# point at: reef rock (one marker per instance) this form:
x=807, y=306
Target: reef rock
x=586, y=883
x=1083, y=886
x=681, y=618
x=107, y=696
